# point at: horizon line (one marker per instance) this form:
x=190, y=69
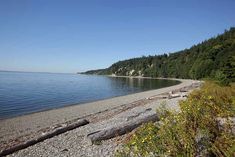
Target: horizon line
x=37, y=72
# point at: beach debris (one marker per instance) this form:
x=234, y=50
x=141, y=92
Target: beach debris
x=185, y=89
x=173, y=95
x=148, y=109
x=160, y=96
x=80, y=122
x=65, y=150
x=137, y=114
x=121, y=129
x=184, y=95
x=196, y=84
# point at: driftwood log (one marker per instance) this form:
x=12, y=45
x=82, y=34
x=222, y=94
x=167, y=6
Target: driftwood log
x=120, y=130
x=173, y=96
x=158, y=96
x=51, y=134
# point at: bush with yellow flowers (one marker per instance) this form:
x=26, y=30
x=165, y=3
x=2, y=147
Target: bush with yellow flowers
x=194, y=131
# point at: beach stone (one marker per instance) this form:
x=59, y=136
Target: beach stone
x=74, y=143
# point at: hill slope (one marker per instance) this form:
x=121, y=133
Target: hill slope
x=210, y=59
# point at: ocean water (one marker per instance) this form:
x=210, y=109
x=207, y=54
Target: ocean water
x=23, y=93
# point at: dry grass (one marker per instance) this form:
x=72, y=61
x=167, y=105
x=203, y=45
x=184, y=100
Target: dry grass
x=194, y=131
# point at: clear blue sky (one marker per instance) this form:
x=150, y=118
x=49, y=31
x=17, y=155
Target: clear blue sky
x=78, y=35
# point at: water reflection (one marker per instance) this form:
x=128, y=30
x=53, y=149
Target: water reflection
x=22, y=93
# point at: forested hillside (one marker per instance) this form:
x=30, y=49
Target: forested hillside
x=213, y=58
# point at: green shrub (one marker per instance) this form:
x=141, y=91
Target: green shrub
x=221, y=78
x=194, y=131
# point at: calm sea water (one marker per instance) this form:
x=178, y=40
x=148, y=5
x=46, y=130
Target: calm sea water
x=23, y=93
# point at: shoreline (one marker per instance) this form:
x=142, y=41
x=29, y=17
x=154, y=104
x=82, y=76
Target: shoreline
x=144, y=94
x=83, y=103
x=28, y=126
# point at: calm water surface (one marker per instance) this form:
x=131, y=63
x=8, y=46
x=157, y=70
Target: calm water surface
x=23, y=93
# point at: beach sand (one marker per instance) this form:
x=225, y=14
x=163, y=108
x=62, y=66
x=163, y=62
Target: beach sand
x=101, y=114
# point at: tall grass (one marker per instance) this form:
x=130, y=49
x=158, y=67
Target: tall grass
x=194, y=131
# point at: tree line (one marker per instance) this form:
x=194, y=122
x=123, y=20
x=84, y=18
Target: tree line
x=213, y=58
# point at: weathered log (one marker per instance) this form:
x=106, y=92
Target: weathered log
x=120, y=130
x=173, y=96
x=130, y=117
x=184, y=89
x=51, y=134
x=158, y=96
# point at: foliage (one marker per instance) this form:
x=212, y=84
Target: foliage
x=221, y=78
x=194, y=131
x=200, y=61
x=96, y=72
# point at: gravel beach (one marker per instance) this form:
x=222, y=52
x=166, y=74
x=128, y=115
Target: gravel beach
x=101, y=114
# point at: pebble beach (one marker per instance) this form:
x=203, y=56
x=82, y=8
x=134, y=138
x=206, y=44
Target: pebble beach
x=101, y=115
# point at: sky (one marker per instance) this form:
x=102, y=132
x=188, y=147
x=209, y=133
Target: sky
x=68, y=36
